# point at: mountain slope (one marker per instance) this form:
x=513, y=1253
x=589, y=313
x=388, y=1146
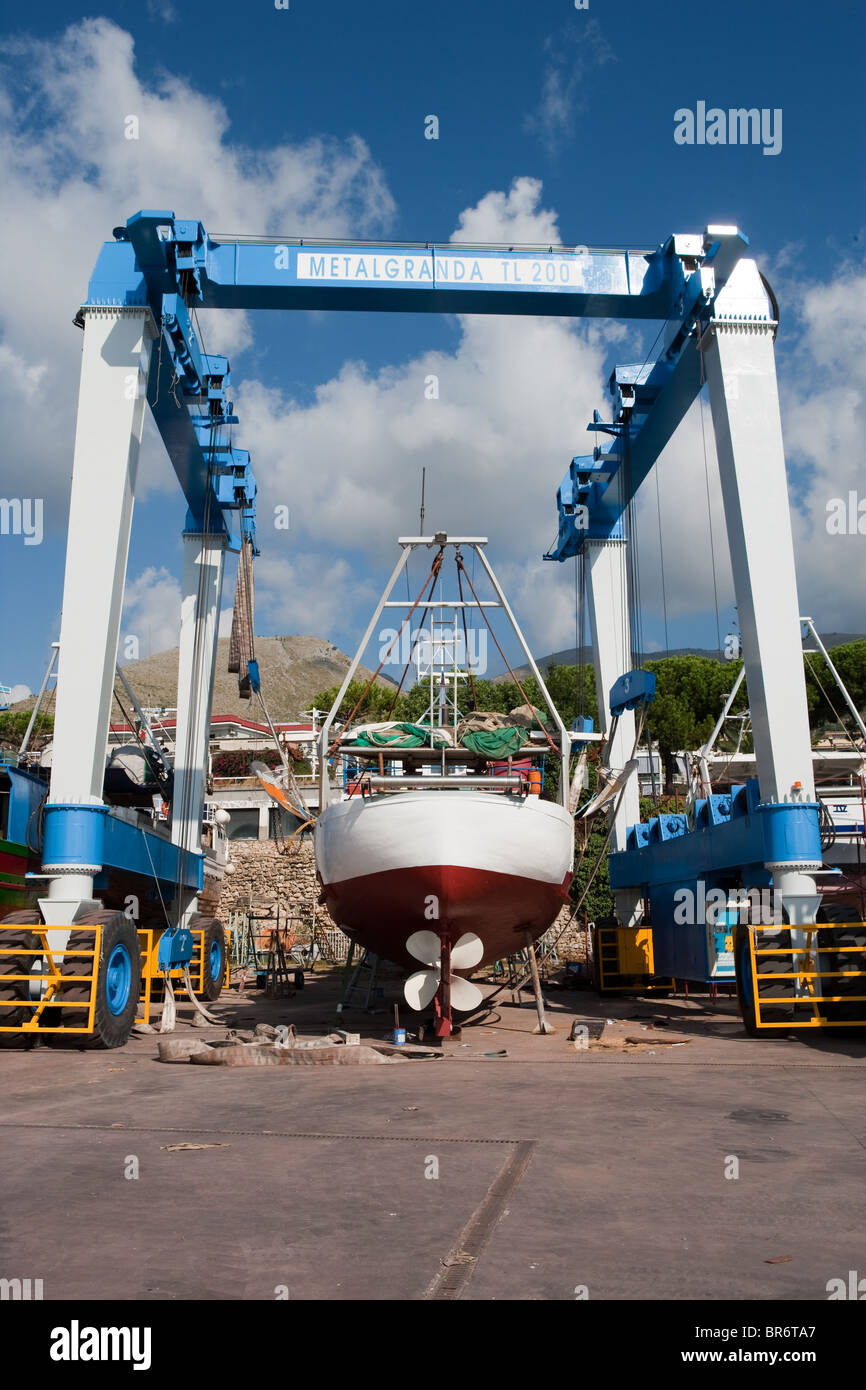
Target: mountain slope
x=293, y=670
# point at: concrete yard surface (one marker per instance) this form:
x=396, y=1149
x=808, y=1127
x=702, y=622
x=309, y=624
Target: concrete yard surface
x=662, y=1155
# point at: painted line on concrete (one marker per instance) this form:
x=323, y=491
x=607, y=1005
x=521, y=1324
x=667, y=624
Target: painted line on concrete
x=259, y=1133
x=855, y=1065
x=461, y=1261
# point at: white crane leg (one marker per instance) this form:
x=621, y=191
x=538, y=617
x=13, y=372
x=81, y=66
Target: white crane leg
x=203, y=564
x=741, y=372
x=114, y=368
x=607, y=596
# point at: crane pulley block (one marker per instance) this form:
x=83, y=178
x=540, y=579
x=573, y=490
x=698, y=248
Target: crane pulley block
x=633, y=689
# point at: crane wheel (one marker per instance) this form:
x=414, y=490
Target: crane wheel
x=214, y=955
x=118, y=982
x=764, y=965
x=26, y=943
x=850, y=935
x=745, y=984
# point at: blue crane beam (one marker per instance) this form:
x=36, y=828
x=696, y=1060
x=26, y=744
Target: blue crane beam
x=265, y=273
x=186, y=389
x=650, y=400
x=157, y=254
x=174, y=265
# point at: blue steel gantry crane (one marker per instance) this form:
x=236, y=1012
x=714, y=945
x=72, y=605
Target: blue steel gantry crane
x=729, y=888
x=141, y=347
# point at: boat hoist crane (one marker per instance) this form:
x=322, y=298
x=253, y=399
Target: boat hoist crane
x=760, y=842
x=142, y=348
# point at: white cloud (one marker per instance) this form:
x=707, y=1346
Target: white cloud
x=824, y=419
x=162, y=9
x=693, y=532
x=513, y=401
x=151, y=613
x=308, y=593
x=573, y=54
x=225, y=332
x=512, y=217
x=514, y=395
x=822, y=376
x=69, y=175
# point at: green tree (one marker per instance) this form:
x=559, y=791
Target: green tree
x=822, y=692
x=690, y=692
x=598, y=902
x=373, y=704
x=13, y=726
x=570, y=694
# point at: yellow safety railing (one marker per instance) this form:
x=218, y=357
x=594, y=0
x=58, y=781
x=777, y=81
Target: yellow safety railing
x=803, y=974
x=49, y=980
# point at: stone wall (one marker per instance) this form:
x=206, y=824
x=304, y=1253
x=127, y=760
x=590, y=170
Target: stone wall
x=262, y=875
x=572, y=944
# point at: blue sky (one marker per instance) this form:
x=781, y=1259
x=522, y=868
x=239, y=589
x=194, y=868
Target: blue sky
x=311, y=121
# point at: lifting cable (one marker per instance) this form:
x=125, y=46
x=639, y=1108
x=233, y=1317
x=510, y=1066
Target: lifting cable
x=579, y=904
x=147, y=752
x=242, y=639
x=526, y=700
x=709, y=510
x=466, y=644
x=190, y=753
x=858, y=747
x=633, y=584
x=419, y=632
x=656, y=470
x=429, y=582
x=632, y=594
x=613, y=815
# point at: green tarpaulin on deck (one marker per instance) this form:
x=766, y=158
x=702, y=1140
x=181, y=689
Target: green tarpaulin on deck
x=494, y=743
x=401, y=736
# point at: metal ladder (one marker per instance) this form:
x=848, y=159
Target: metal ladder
x=369, y=965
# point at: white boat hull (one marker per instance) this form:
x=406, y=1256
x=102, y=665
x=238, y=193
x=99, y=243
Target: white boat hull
x=448, y=861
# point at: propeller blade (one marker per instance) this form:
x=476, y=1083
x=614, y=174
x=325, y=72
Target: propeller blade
x=420, y=988
x=465, y=995
x=425, y=946
x=467, y=951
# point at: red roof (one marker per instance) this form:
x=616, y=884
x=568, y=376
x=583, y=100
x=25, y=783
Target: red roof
x=224, y=719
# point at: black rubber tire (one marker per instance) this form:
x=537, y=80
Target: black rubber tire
x=27, y=944
x=213, y=931
x=768, y=965
x=765, y=965
x=109, y=1030
x=742, y=967
x=855, y=935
